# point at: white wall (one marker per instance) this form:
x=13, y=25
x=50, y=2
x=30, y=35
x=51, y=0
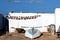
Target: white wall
x=57, y=13
x=44, y=20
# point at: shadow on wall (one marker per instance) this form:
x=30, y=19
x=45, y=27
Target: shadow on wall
x=59, y=29
x=4, y=26
x=58, y=33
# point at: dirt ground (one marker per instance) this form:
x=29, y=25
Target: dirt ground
x=20, y=36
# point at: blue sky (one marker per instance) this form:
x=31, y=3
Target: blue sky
x=28, y=6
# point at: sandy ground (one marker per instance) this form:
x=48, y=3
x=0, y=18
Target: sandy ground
x=20, y=36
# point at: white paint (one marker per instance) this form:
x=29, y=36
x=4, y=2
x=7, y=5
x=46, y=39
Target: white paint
x=57, y=13
x=44, y=20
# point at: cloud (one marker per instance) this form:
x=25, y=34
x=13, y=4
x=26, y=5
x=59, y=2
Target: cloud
x=35, y=1
x=26, y=1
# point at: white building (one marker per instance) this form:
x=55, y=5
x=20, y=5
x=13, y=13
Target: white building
x=37, y=20
x=57, y=16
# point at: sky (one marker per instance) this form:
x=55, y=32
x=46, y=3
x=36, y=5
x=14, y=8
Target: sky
x=30, y=6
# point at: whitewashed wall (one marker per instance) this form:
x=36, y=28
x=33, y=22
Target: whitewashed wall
x=44, y=20
x=57, y=14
